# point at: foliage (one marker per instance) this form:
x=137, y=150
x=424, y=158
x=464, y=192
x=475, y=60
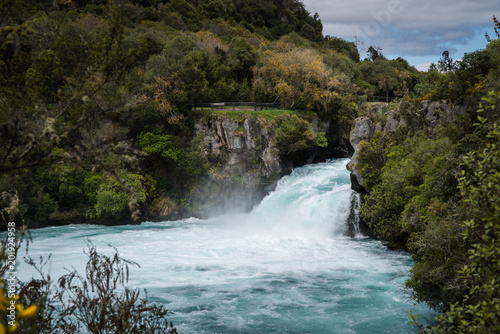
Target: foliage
x=439, y=195
x=446, y=63
x=436, y=243
x=112, y=198
x=156, y=143
x=70, y=92
x=374, y=53
x=393, y=78
x=438, y=250
x=244, y=57
x=320, y=139
x=97, y=302
x=479, y=310
x=402, y=180
x=341, y=65
x=277, y=18
x=371, y=160
x=297, y=77
x=342, y=46
x=464, y=81
x=294, y=134
x=193, y=162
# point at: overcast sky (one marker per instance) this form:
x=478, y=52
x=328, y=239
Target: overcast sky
x=417, y=30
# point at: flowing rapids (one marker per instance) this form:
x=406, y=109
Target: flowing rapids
x=286, y=267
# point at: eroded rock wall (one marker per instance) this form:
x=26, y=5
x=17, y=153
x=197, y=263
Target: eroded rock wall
x=249, y=162
x=240, y=144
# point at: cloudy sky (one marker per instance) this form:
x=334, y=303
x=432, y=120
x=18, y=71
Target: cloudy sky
x=417, y=30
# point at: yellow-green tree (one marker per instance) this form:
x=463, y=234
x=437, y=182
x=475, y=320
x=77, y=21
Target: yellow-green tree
x=296, y=77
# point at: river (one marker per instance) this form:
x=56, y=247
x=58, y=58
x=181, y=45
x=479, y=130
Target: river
x=288, y=266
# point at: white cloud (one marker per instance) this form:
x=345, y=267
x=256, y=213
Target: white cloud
x=405, y=27
x=423, y=67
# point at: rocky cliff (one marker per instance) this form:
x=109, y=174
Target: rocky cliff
x=249, y=162
x=244, y=145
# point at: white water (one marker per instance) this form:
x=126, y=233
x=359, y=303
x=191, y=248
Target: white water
x=286, y=267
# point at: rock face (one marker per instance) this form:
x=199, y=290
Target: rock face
x=250, y=162
x=240, y=144
x=363, y=130
x=440, y=112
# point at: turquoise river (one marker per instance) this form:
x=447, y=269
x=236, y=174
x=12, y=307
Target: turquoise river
x=288, y=266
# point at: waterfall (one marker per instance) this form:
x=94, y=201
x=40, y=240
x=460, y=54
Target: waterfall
x=354, y=220
x=295, y=264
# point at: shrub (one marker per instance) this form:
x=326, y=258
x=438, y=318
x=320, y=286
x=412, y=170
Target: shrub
x=114, y=197
x=402, y=181
x=294, y=134
x=98, y=302
x=371, y=160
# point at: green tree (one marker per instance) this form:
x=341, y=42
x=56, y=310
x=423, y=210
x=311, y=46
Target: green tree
x=374, y=53
x=219, y=8
x=244, y=57
x=446, y=63
x=164, y=145
x=402, y=180
x=342, y=46
x=112, y=199
x=308, y=32
x=389, y=77
x=70, y=81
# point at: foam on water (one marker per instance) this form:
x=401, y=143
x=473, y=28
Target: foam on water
x=286, y=267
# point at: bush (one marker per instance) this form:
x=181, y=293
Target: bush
x=457, y=249
x=438, y=251
x=114, y=197
x=294, y=135
x=98, y=302
x=371, y=160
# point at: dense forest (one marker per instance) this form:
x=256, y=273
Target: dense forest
x=97, y=98
x=96, y=125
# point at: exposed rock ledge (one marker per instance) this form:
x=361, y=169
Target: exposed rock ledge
x=250, y=162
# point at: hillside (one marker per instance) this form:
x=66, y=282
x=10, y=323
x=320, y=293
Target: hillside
x=97, y=97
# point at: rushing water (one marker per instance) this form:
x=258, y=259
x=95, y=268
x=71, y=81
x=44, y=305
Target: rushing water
x=285, y=267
